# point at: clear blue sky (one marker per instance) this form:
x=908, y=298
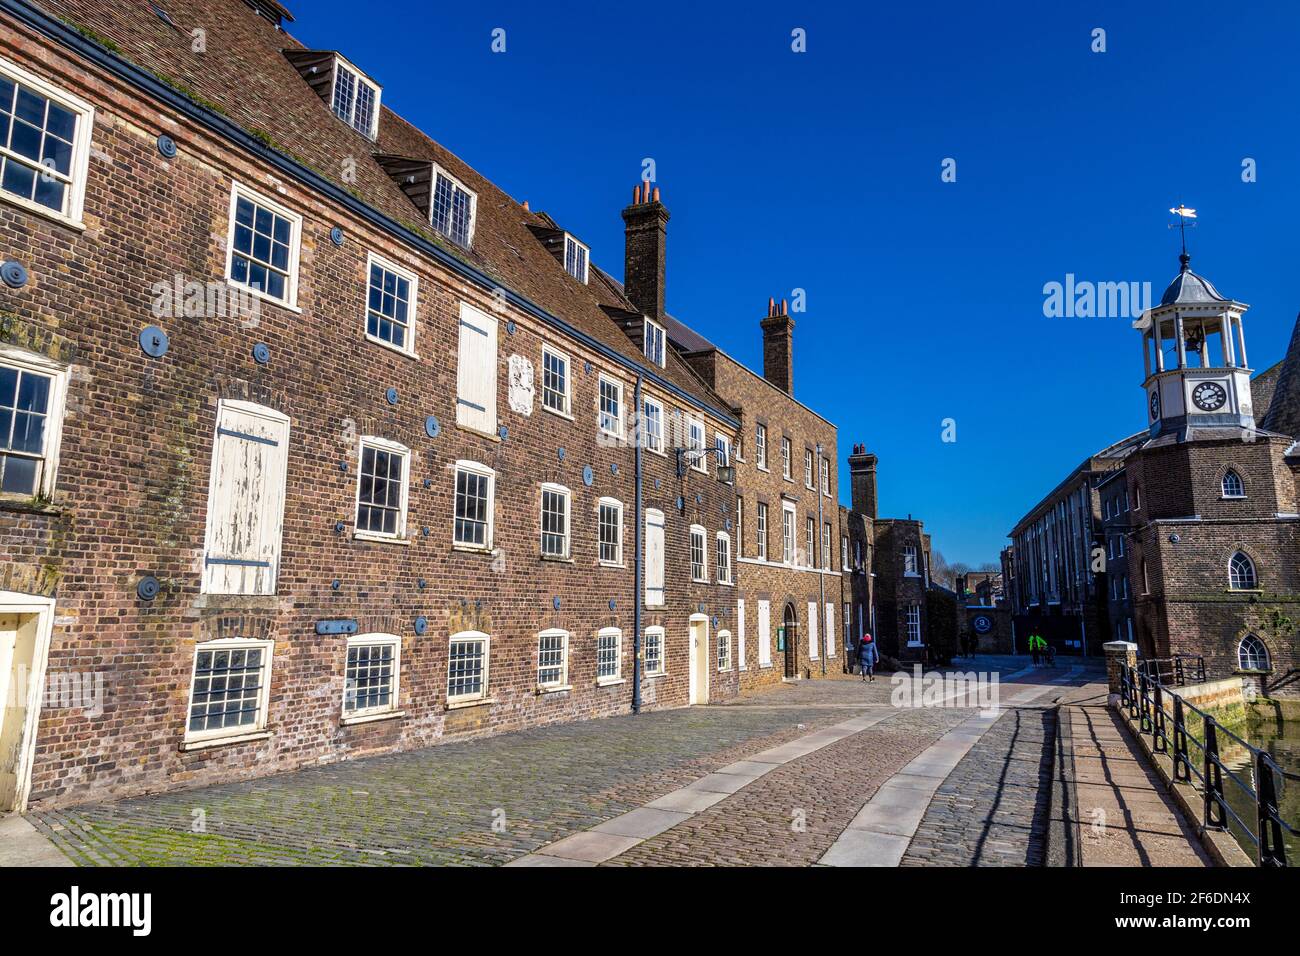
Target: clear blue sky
x=821, y=171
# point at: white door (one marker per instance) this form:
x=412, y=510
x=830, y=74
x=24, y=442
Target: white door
x=699, y=672
x=17, y=653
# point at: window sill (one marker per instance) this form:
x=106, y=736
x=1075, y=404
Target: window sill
x=612, y=564
x=727, y=584
x=44, y=212
x=611, y=434
x=1232, y=497
x=1252, y=673
x=371, y=718
x=556, y=558
x=405, y=353
x=28, y=505
x=270, y=300
x=207, y=742
x=379, y=538
x=724, y=670
x=544, y=689
x=765, y=667
x=490, y=436
x=656, y=675
x=700, y=581
x=556, y=412
x=610, y=681
x=476, y=702
x=763, y=468
x=471, y=549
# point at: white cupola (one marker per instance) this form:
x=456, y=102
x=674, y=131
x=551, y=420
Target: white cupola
x=1194, y=350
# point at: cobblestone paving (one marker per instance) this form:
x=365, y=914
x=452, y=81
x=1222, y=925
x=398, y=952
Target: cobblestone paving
x=436, y=806
x=822, y=791
x=994, y=808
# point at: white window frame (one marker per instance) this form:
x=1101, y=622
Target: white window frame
x=909, y=557
x=474, y=467
x=35, y=364
x=760, y=525
x=1254, y=573
x=486, y=641
x=721, y=443
x=567, y=497
x=826, y=545
x=473, y=204
x=808, y=468
x=913, y=622
x=1267, y=657
x=740, y=527
x=617, y=676
x=789, y=533
x=741, y=663
x=1223, y=485
x=652, y=668
x=79, y=164
x=695, y=438
x=654, y=342
x=360, y=714
x=566, y=409
x=723, y=567
x=810, y=539
x=617, y=505
x=652, y=439
x=373, y=131
x=760, y=447
x=602, y=381
x=562, y=682
x=787, y=453
x=237, y=191
x=826, y=476
x=724, y=650
x=699, y=532
x=393, y=448
x=571, y=240
x=232, y=734
x=387, y=265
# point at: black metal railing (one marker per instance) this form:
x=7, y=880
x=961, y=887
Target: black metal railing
x=1176, y=671
x=1148, y=703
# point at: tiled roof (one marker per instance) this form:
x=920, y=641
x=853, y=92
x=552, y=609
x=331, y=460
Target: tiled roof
x=246, y=76
x=1284, y=406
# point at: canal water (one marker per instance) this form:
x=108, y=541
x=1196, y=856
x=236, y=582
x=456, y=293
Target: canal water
x=1281, y=740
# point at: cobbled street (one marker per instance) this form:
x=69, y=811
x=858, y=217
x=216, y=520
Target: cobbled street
x=775, y=778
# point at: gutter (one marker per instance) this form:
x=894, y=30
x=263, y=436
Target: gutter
x=821, y=537
x=61, y=33
x=638, y=561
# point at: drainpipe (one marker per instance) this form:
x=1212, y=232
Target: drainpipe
x=821, y=536
x=638, y=561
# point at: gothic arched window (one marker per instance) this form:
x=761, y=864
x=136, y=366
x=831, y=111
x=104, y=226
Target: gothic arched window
x=1241, y=573
x=1252, y=655
x=1232, y=485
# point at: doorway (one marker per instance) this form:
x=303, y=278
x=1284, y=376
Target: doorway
x=791, y=624
x=24, y=643
x=699, y=671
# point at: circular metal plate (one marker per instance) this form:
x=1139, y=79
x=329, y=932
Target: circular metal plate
x=148, y=588
x=261, y=353
x=154, y=341
x=431, y=426
x=14, y=274
x=336, y=236
x=587, y=475
x=167, y=146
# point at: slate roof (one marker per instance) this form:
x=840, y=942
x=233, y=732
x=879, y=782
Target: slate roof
x=245, y=73
x=1284, y=406
x=1188, y=288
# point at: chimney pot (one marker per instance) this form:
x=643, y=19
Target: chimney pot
x=525, y=204
x=656, y=199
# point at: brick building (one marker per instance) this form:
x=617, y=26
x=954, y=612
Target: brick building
x=1196, y=520
x=314, y=443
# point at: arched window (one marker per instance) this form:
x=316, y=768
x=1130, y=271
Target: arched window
x=1241, y=573
x=1232, y=485
x=1252, y=655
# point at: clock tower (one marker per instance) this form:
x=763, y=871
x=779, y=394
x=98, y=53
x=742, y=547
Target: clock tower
x=1194, y=349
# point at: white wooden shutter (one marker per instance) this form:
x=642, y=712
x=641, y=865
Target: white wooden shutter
x=764, y=634
x=812, y=630
x=476, y=371
x=250, y=453
x=830, y=629
x=654, y=558
x=740, y=629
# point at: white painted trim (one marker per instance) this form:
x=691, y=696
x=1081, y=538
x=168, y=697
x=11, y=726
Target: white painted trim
x=621, y=421
x=663, y=648
x=372, y=260
x=290, y=301
x=617, y=676
x=563, y=682
x=476, y=468
x=437, y=171
x=38, y=364
x=567, y=495
x=233, y=735
x=481, y=697
x=373, y=132
x=698, y=529
x=359, y=715
x=610, y=503
x=567, y=410
x=392, y=447
x=13, y=602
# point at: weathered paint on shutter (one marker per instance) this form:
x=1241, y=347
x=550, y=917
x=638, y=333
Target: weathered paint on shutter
x=241, y=553
x=476, y=371
x=813, y=649
x=764, y=633
x=740, y=630
x=830, y=629
x=654, y=558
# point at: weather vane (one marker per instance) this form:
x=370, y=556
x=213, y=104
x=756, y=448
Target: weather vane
x=1183, y=214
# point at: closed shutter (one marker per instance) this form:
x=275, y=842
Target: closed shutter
x=830, y=629
x=812, y=629
x=740, y=630
x=654, y=558
x=764, y=634
x=476, y=371
x=241, y=552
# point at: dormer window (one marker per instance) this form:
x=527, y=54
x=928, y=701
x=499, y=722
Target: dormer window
x=654, y=342
x=575, y=258
x=355, y=99
x=452, y=210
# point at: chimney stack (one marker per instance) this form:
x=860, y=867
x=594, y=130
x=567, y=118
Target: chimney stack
x=862, y=480
x=645, y=251
x=778, y=346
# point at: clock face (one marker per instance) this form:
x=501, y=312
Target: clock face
x=1155, y=405
x=1209, y=396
